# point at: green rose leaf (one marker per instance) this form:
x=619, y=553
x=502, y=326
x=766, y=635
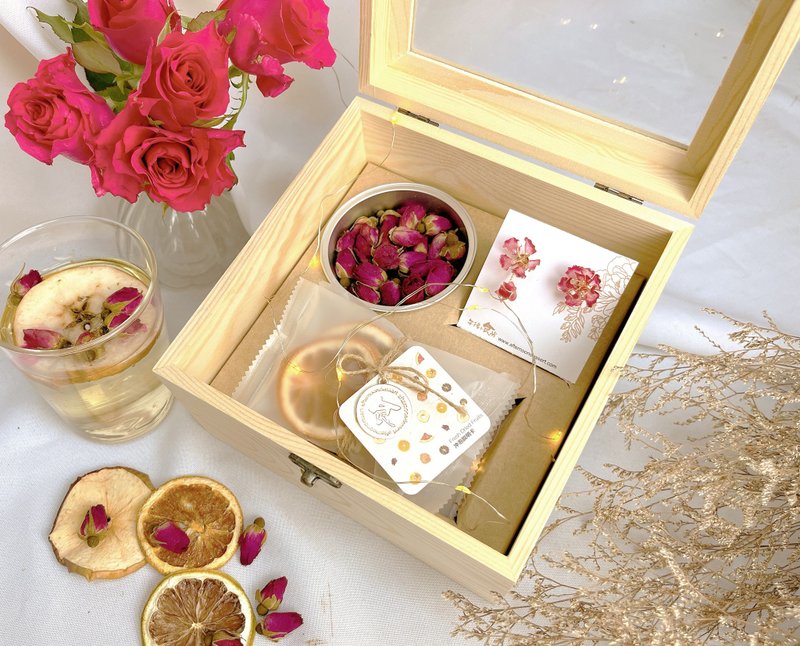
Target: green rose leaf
x=202, y=19
x=82, y=13
x=61, y=27
x=96, y=57
x=100, y=82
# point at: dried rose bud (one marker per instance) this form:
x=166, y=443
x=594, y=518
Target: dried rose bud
x=440, y=273
x=507, y=291
x=171, y=537
x=85, y=337
x=23, y=285
x=388, y=222
x=363, y=249
x=390, y=292
x=41, y=339
x=346, y=241
x=251, y=540
x=448, y=246
x=413, y=288
x=277, y=625
x=406, y=237
x=224, y=638
x=269, y=597
x=369, y=275
x=409, y=259
x=386, y=256
x=421, y=246
x=345, y=265
x=436, y=224
x=95, y=525
x=365, y=293
x=411, y=214
x=367, y=228
x=123, y=295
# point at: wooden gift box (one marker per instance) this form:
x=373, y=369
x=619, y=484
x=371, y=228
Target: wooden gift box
x=213, y=350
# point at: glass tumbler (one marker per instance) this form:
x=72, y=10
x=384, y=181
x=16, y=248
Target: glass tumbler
x=87, y=329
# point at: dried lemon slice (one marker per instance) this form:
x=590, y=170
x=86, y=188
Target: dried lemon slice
x=121, y=491
x=189, y=606
x=206, y=510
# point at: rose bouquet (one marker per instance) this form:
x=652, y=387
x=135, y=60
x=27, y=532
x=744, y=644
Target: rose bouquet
x=162, y=92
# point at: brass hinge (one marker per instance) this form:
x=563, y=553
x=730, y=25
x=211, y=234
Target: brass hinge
x=310, y=473
x=618, y=193
x=408, y=113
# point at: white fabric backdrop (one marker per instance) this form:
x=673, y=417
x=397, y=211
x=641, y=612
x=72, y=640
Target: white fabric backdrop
x=351, y=587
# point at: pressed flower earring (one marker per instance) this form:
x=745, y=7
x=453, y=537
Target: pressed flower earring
x=580, y=285
x=515, y=259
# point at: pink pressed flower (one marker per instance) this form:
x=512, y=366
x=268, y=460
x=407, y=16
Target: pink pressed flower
x=386, y=256
x=41, y=339
x=269, y=598
x=171, y=537
x=507, y=291
x=95, y=525
x=278, y=624
x=23, y=285
x=366, y=293
x=580, y=285
x=251, y=540
x=390, y=292
x=517, y=259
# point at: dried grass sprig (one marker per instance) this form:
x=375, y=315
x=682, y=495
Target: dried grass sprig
x=699, y=544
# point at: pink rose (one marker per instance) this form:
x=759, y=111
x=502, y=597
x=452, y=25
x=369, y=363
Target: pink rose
x=55, y=114
x=270, y=33
x=185, y=78
x=132, y=26
x=182, y=168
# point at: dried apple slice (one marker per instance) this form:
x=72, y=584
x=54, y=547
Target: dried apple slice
x=121, y=491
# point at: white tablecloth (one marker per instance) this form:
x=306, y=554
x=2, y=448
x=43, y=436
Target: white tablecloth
x=350, y=586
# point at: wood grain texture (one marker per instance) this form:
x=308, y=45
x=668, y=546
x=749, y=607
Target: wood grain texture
x=615, y=154
x=473, y=172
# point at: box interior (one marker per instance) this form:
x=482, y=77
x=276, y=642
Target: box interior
x=528, y=441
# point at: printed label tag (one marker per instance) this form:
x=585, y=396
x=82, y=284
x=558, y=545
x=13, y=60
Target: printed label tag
x=413, y=434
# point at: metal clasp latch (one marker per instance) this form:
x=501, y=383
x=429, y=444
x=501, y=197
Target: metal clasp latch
x=419, y=117
x=618, y=193
x=311, y=473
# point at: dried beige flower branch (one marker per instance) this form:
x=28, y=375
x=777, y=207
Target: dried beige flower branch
x=697, y=545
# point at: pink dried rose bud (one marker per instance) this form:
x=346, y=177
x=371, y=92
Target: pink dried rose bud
x=411, y=214
x=388, y=222
x=413, y=289
x=277, y=625
x=269, y=597
x=365, y=293
x=369, y=275
x=171, y=537
x=224, y=638
x=41, y=339
x=435, y=224
x=409, y=259
x=516, y=258
x=507, y=291
x=95, y=525
x=440, y=273
x=85, y=337
x=345, y=266
x=367, y=227
x=251, y=541
x=390, y=292
x=346, y=241
x=123, y=295
x=363, y=249
x=386, y=256
x=23, y=284
x=406, y=237
x=422, y=246
x=580, y=285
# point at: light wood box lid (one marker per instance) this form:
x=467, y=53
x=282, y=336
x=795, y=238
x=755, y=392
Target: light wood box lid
x=677, y=176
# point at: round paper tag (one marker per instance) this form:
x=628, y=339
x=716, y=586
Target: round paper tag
x=383, y=410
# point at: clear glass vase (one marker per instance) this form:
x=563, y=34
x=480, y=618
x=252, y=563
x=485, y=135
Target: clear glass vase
x=192, y=249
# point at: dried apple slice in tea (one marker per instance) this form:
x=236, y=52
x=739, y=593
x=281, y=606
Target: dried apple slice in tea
x=189, y=522
x=188, y=607
x=116, y=552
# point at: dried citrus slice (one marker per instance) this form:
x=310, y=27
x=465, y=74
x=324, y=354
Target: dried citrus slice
x=121, y=491
x=189, y=606
x=207, y=511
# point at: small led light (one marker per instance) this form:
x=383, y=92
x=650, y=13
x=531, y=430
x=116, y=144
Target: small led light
x=314, y=262
x=594, y=26
x=395, y=117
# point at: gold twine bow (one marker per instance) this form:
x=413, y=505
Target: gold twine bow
x=406, y=376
